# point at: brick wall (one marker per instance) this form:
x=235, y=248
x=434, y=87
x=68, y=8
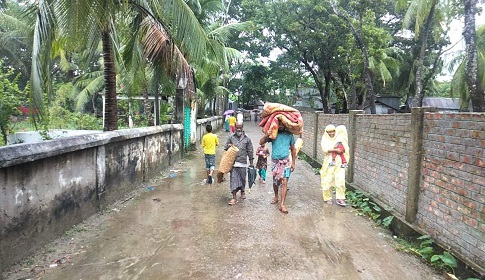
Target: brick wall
x=450, y=172
x=381, y=157
x=453, y=182
x=308, y=136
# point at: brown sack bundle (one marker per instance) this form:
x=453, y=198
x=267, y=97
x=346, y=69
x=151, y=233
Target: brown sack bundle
x=227, y=159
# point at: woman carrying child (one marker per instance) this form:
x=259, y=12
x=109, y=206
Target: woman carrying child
x=333, y=168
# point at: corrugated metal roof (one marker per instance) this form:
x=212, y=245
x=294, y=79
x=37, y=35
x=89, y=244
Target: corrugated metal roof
x=442, y=103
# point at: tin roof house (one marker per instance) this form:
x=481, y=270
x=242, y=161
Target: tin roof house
x=444, y=104
x=385, y=105
x=308, y=98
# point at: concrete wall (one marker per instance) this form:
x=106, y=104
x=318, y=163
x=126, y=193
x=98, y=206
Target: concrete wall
x=427, y=167
x=216, y=122
x=47, y=187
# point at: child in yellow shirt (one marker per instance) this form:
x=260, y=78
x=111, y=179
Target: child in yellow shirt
x=209, y=143
x=232, y=123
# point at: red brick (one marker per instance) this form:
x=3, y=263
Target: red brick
x=476, y=134
x=450, y=187
x=470, y=221
x=457, y=182
x=466, y=159
x=471, y=205
x=459, y=165
x=462, y=191
x=480, y=162
x=482, y=143
x=459, y=199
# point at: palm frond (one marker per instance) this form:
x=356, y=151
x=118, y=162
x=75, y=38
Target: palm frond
x=185, y=30
x=89, y=87
x=223, y=33
x=43, y=36
x=160, y=49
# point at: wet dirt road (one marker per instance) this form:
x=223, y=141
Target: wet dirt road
x=184, y=229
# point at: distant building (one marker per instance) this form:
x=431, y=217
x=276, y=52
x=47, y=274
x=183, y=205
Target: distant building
x=444, y=104
x=385, y=105
x=308, y=98
x=258, y=105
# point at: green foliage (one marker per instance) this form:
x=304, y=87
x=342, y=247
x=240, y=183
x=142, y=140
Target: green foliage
x=61, y=118
x=29, y=261
x=75, y=229
x=366, y=207
x=10, y=99
x=426, y=251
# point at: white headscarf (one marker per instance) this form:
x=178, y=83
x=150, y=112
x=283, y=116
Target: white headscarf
x=330, y=142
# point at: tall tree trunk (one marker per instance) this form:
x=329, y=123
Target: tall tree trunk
x=148, y=107
x=367, y=72
x=111, y=114
x=418, y=94
x=338, y=81
x=328, y=79
x=156, y=103
x=319, y=83
x=474, y=87
x=93, y=102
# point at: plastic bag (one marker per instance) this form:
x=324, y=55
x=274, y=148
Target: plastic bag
x=252, y=173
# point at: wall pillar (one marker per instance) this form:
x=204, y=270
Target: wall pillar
x=316, y=145
x=352, y=140
x=415, y=160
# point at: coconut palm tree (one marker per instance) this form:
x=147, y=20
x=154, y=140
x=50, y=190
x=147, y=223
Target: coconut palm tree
x=209, y=73
x=86, y=23
x=459, y=82
x=474, y=85
x=15, y=40
x=426, y=18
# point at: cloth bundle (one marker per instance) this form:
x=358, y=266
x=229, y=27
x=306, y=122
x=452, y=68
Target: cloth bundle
x=227, y=159
x=288, y=116
x=298, y=145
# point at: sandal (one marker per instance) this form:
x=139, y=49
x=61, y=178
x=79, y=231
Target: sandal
x=341, y=202
x=274, y=201
x=232, y=202
x=283, y=210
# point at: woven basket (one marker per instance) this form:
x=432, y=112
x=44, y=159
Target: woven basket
x=227, y=159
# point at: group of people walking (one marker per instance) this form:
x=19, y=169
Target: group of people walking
x=334, y=145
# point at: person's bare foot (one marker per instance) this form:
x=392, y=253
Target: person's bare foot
x=283, y=209
x=243, y=195
x=274, y=201
x=341, y=202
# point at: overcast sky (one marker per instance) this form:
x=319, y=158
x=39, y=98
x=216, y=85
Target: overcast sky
x=458, y=41
x=456, y=38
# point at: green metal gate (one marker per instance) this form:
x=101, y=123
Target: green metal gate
x=187, y=127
